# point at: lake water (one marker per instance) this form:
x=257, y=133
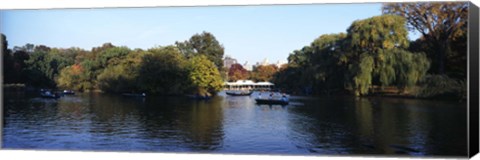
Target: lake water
x=325, y=125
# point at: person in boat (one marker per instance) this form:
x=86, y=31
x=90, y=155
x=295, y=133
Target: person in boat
x=271, y=95
x=284, y=97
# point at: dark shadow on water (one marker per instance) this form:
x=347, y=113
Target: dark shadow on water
x=388, y=126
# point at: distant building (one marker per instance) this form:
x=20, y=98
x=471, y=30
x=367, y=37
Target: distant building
x=247, y=66
x=263, y=63
x=280, y=63
x=229, y=61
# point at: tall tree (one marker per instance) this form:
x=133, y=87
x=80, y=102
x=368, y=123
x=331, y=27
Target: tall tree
x=7, y=58
x=401, y=68
x=204, y=78
x=44, y=65
x=204, y=44
x=378, y=32
x=163, y=71
x=287, y=79
x=328, y=62
x=123, y=76
x=19, y=66
x=4, y=43
x=379, y=57
x=439, y=24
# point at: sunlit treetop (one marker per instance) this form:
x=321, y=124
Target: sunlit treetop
x=379, y=32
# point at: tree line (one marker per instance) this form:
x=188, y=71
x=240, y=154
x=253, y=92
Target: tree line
x=375, y=55
x=190, y=67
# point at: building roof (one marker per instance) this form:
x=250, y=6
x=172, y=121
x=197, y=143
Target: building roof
x=248, y=82
x=265, y=83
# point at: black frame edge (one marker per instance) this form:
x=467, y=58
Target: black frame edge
x=473, y=99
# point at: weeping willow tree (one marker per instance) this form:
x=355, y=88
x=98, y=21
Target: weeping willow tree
x=379, y=32
x=362, y=78
x=400, y=67
x=378, y=52
x=372, y=53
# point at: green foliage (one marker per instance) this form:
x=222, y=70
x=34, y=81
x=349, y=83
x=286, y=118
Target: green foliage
x=4, y=43
x=203, y=76
x=111, y=56
x=401, y=67
x=123, y=76
x=287, y=78
x=118, y=78
x=7, y=61
x=329, y=62
x=187, y=67
x=386, y=67
x=89, y=74
x=163, y=71
x=442, y=86
x=73, y=77
x=43, y=67
x=371, y=53
x=203, y=44
x=379, y=32
x=378, y=43
x=322, y=65
x=411, y=68
x=363, y=74
x=443, y=29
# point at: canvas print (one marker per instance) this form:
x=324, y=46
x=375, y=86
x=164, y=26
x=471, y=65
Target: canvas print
x=382, y=79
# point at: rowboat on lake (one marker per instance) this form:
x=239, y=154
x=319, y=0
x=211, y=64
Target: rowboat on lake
x=273, y=98
x=239, y=92
x=49, y=94
x=272, y=101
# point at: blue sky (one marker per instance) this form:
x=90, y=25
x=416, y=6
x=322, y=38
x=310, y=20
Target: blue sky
x=248, y=33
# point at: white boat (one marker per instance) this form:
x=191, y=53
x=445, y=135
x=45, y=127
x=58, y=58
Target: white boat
x=49, y=94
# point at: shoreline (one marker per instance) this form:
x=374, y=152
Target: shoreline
x=24, y=88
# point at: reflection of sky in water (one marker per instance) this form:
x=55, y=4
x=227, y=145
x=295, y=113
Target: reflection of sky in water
x=226, y=124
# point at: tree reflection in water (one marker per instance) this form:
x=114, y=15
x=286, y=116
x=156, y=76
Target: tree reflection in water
x=309, y=125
